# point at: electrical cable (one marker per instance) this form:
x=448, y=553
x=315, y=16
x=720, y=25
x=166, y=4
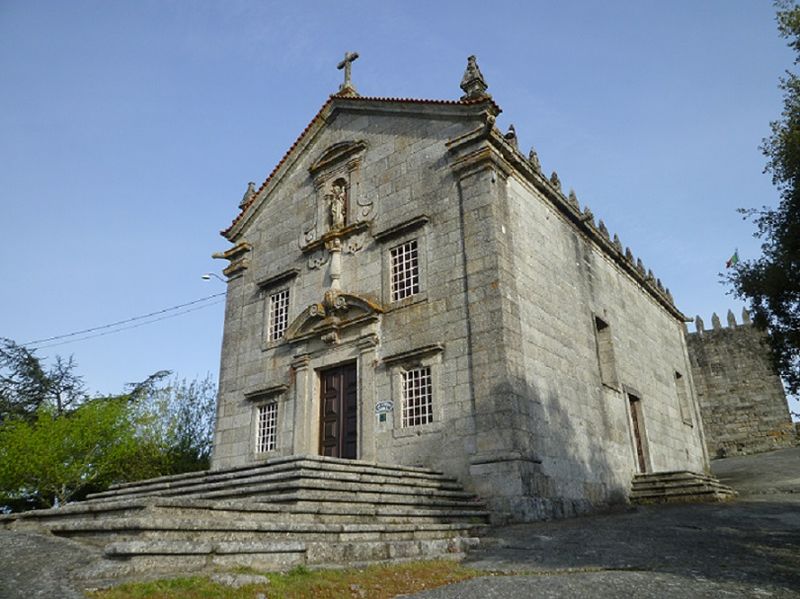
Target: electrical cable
x=132, y=326
x=127, y=320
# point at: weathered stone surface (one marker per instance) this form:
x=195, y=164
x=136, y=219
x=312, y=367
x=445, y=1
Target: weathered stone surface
x=512, y=279
x=376, y=513
x=741, y=397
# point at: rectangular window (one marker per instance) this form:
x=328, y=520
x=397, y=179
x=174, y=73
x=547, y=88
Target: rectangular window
x=278, y=314
x=266, y=427
x=605, y=353
x=683, y=398
x=404, y=270
x=417, y=397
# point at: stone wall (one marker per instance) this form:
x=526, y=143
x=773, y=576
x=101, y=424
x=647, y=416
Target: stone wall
x=538, y=328
x=742, y=400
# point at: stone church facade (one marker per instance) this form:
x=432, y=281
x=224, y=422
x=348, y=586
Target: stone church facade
x=407, y=287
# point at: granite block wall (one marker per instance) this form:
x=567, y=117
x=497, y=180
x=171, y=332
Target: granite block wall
x=742, y=400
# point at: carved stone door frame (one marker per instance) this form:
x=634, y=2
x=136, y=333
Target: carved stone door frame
x=315, y=358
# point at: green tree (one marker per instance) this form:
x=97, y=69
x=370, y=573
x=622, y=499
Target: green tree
x=55, y=458
x=25, y=384
x=56, y=445
x=771, y=282
x=180, y=420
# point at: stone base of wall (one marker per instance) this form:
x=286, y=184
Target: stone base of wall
x=749, y=442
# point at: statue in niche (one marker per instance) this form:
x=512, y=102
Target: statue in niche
x=338, y=203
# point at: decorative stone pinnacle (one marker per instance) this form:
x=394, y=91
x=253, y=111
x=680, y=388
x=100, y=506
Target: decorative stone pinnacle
x=573, y=198
x=715, y=322
x=745, y=316
x=251, y=191
x=731, y=320
x=347, y=88
x=473, y=83
x=533, y=158
x=555, y=180
x=511, y=136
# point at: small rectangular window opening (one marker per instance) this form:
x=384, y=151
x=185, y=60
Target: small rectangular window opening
x=278, y=314
x=266, y=427
x=605, y=353
x=683, y=398
x=417, y=397
x=404, y=270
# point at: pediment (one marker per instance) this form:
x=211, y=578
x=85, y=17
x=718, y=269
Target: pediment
x=337, y=311
x=336, y=154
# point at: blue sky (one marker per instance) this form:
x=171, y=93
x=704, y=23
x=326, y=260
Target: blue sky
x=128, y=132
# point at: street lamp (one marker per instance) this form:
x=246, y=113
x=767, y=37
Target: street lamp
x=207, y=277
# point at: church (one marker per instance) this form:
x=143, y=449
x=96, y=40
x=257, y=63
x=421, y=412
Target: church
x=407, y=287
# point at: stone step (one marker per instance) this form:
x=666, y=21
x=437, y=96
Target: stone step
x=302, y=473
x=298, y=510
x=288, y=463
x=308, y=511
x=326, y=512
x=308, y=498
x=129, y=558
x=104, y=532
x=678, y=486
x=335, y=491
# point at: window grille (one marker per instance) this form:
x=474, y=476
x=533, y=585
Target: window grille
x=417, y=397
x=405, y=270
x=266, y=429
x=278, y=314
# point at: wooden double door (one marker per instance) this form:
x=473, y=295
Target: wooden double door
x=339, y=418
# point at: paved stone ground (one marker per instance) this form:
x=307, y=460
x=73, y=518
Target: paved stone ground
x=748, y=548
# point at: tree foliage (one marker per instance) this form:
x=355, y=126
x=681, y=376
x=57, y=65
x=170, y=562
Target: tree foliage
x=54, y=458
x=771, y=282
x=57, y=445
x=180, y=417
x=25, y=385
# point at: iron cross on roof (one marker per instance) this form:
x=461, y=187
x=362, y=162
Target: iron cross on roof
x=347, y=86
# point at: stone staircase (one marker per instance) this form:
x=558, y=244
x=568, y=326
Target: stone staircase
x=297, y=510
x=679, y=486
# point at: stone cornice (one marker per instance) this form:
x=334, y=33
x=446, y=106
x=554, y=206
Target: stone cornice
x=414, y=354
x=277, y=279
x=485, y=147
x=343, y=233
x=264, y=392
x=407, y=226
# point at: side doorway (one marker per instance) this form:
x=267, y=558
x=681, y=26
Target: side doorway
x=638, y=433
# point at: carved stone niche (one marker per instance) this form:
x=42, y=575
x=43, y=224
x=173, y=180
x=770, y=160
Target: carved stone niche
x=337, y=182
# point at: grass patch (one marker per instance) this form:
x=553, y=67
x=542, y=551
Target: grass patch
x=372, y=582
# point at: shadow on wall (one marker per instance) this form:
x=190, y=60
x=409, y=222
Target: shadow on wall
x=559, y=461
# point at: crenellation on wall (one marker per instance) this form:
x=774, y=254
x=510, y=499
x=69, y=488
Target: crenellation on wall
x=742, y=400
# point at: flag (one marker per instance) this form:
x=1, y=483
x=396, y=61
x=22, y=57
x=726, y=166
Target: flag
x=733, y=260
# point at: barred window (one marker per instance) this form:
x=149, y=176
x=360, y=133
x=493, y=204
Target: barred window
x=266, y=427
x=278, y=314
x=417, y=397
x=405, y=270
